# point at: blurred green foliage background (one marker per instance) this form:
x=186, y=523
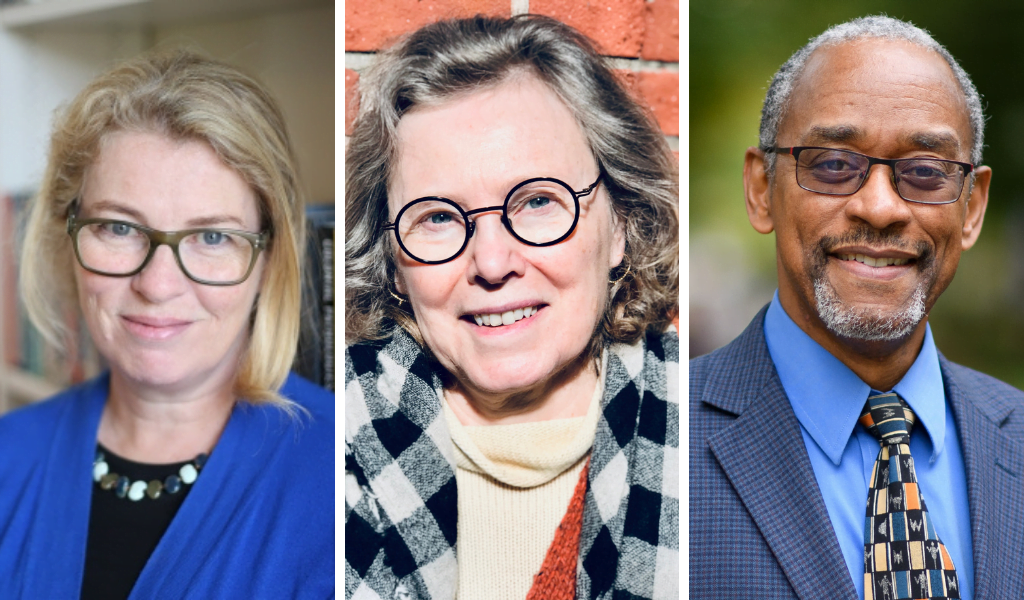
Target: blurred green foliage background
x=735, y=47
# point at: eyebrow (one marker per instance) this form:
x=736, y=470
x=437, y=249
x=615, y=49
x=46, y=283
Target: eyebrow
x=134, y=215
x=834, y=134
x=944, y=143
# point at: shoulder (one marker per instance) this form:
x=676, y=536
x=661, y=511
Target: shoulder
x=389, y=375
x=313, y=422
x=393, y=357
x=999, y=401
x=36, y=421
x=317, y=400
x=664, y=345
x=983, y=386
x=733, y=372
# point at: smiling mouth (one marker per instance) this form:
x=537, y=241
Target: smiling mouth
x=874, y=262
x=506, y=318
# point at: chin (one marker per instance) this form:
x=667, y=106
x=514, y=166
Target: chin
x=868, y=324
x=154, y=374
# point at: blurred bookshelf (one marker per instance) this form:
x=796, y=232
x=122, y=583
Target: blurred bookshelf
x=314, y=359
x=50, y=49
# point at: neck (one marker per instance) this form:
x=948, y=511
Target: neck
x=565, y=395
x=150, y=425
x=880, y=364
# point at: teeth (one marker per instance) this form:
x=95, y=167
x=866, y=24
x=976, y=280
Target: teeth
x=505, y=318
x=874, y=262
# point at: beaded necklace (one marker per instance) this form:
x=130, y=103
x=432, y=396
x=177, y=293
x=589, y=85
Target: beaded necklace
x=123, y=487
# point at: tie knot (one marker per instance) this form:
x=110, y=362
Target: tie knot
x=888, y=418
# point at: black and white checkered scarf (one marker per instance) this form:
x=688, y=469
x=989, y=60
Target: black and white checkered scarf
x=400, y=496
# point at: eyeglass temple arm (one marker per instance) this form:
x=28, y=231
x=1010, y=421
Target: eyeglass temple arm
x=587, y=190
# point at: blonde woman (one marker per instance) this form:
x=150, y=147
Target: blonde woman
x=170, y=219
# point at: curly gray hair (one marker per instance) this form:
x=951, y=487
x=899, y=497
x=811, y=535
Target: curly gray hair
x=776, y=101
x=450, y=58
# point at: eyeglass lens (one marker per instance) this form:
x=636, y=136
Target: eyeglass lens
x=117, y=248
x=433, y=230
x=840, y=172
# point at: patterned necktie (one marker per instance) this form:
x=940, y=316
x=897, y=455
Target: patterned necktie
x=903, y=556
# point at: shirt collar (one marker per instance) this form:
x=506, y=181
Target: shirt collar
x=828, y=397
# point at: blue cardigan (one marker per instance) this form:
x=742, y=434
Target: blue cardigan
x=258, y=523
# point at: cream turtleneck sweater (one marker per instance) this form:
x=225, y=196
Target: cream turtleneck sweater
x=515, y=483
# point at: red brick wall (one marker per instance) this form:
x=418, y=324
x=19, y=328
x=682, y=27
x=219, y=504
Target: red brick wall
x=642, y=35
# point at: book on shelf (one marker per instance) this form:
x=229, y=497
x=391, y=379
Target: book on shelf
x=24, y=348
x=314, y=359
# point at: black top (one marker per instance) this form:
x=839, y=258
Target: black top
x=123, y=533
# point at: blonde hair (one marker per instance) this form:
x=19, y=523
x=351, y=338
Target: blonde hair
x=185, y=97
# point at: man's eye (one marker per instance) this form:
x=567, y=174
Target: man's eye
x=923, y=172
x=833, y=165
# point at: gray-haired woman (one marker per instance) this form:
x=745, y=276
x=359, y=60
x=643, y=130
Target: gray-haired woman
x=511, y=275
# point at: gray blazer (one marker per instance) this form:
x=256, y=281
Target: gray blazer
x=749, y=531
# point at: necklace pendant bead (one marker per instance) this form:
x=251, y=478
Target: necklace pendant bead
x=108, y=481
x=100, y=469
x=121, y=487
x=172, y=484
x=137, y=491
x=154, y=489
x=188, y=474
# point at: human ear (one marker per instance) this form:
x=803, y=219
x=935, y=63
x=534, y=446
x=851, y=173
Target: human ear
x=755, y=191
x=974, y=211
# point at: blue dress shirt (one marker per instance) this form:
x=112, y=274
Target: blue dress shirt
x=828, y=397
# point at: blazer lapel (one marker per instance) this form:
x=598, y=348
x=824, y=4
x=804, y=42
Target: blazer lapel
x=994, y=465
x=763, y=455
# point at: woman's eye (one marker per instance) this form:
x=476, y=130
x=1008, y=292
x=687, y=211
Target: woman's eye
x=212, y=238
x=118, y=229
x=439, y=218
x=538, y=202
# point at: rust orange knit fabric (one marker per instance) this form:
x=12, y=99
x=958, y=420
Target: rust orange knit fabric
x=556, y=579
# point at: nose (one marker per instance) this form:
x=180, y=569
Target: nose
x=877, y=202
x=161, y=279
x=495, y=256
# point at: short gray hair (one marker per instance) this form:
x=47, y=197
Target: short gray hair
x=776, y=101
x=447, y=59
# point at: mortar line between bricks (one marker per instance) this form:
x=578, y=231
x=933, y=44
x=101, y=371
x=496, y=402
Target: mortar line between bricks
x=636, y=64
x=357, y=61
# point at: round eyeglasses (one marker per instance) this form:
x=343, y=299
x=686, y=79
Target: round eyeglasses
x=538, y=212
x=842, y=173
x=208, y=256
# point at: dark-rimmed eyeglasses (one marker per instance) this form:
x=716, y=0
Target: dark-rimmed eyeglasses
x=210, y=256
x=538, y=212
x=842, y=173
